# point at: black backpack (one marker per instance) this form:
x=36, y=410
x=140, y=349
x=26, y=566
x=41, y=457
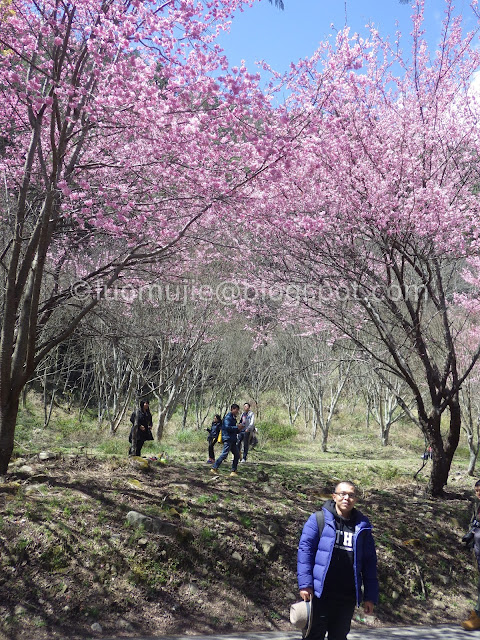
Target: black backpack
x=132, y=417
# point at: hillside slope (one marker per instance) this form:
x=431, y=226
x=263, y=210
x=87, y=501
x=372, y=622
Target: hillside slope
x=223, y=557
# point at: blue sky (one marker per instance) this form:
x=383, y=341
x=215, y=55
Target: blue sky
x=280, y=37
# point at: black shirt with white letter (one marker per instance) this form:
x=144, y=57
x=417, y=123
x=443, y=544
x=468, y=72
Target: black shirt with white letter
x=340, y=580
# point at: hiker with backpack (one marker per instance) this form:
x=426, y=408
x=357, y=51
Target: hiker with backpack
x=213, y=434
x=337, y=564
x=141, y=430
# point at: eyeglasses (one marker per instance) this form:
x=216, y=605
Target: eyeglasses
x=345, y=494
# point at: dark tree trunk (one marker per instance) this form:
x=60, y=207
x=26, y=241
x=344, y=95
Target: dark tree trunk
x=442, y=453
x=133, y=448
x=8, y=420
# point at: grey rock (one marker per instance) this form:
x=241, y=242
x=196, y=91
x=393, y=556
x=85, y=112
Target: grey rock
x=33, y=488
x=141, y=464
x=47, y=455
x=154, y=525
x=96, y=627
x=267, y=544
x=18, y=462
x=124, y=624
x=237, y=556
x=184, y=488
x=271, y=528
x=25, y=470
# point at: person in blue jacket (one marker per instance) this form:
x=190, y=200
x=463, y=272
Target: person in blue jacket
x=337, y=567
x=230, y=432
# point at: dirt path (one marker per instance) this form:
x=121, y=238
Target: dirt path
x=441, y=632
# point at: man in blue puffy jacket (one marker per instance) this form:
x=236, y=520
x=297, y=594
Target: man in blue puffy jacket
x=337, y=567
x=230, y=432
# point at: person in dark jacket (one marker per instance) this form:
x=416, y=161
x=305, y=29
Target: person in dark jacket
x=337, y=567
x=472, y=540
x=213, y=434
x=230, y=432
x=141, y=430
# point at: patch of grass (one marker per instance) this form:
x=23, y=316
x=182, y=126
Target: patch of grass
x=54, y=558
x=185, y=436
x=151, y=573
x=114, y=446
x=21, y=545
x=102, y=517
x=245, y=521
x=207, y=535
x=204, y=499
x=274, y=615
x=92, y=611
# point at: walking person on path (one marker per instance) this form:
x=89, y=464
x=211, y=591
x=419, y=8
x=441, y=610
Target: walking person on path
x=141, y=430
x=247, y=421
x=213, y=434
x=337, y=567
x=472, y=540
x=229, y=437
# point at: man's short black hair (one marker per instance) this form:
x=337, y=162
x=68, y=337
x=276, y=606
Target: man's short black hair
x=234, y=406
x=352, y=484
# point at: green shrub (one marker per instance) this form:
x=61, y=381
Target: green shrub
x=390, y=472
x=270, y=431
x=187, y=436
x=114, y=446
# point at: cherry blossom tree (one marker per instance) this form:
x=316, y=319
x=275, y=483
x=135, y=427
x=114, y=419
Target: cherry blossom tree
x=122, y=135
x=375, y=219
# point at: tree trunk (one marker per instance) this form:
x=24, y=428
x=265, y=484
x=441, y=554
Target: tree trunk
x=324, y=438
x=133, y=448
x=442, y=455
x=161, y=422
x=8, y=420
x=439, y=474
x=473, y=454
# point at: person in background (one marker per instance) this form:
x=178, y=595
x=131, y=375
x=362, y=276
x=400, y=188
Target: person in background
x=141, y=430
x=229, y=436
x=247, y=421
x=212, y=437
x=334, y=564
x=472, y=541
